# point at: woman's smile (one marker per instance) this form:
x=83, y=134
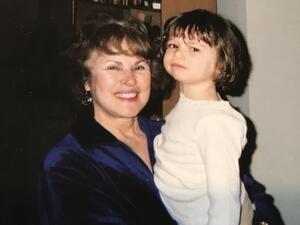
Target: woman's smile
x=127, y=95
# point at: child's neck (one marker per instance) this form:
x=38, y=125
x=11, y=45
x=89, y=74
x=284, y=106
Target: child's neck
x=203, y=92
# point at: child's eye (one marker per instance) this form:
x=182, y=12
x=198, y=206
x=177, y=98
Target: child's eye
x=172, y=45
x=193, y=49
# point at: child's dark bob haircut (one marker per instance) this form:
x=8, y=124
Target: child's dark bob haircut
x=218, y=33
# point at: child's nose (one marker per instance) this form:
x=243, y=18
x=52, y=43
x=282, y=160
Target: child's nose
x=179, y=53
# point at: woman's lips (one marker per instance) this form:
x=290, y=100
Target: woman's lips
x=128, y=96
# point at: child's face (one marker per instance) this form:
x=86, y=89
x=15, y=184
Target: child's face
x=191, y=61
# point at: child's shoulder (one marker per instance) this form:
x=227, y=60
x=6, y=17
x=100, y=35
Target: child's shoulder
x=222, y=110
x=223, y=116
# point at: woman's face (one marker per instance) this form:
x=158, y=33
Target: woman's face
x=119, y=84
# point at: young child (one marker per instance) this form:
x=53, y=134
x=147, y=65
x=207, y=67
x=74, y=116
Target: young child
x=197, y=153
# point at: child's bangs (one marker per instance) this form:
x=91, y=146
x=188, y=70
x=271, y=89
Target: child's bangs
x=192, y=31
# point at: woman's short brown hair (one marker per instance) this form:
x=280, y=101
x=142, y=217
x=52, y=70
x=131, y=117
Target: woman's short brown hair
x=105, y=33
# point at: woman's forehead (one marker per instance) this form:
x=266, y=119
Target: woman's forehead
x=126, y=46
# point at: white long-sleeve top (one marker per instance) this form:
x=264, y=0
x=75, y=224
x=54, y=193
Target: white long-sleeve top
x=197, y=170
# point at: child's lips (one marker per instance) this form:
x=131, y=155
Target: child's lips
x=177, y=65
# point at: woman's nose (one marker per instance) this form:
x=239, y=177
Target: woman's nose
x=128, y=77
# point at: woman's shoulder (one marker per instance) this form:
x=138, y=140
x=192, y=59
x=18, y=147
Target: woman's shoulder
x=62, y=152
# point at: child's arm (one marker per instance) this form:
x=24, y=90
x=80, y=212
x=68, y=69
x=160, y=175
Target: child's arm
x=222, y=139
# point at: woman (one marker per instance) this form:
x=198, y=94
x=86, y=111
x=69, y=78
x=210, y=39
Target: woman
x=101, y=172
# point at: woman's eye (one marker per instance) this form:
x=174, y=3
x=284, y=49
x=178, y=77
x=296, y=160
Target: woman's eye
x=141, y=67
x=112, y=67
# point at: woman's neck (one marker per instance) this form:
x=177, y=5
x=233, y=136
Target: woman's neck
x=120, y=127
x=128, y=131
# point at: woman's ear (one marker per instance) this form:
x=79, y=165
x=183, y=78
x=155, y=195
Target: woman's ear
x=87, y=86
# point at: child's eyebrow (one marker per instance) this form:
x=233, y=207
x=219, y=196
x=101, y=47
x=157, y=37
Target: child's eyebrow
x=173, y=38
x=197, y=41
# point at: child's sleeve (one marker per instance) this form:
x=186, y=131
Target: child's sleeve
x=221, y=140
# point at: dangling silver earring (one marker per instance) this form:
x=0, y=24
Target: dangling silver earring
x=87, y=99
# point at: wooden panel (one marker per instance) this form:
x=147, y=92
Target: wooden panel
x=172, y=8
x=140, y=14
x=84, y=9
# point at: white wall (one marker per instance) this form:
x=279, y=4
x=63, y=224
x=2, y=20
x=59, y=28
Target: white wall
x=235, y=10
x=272, y=29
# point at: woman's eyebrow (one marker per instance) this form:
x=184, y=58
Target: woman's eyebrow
x=141, y=61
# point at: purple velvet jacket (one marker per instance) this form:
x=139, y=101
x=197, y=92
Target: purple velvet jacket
x=90, y=178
